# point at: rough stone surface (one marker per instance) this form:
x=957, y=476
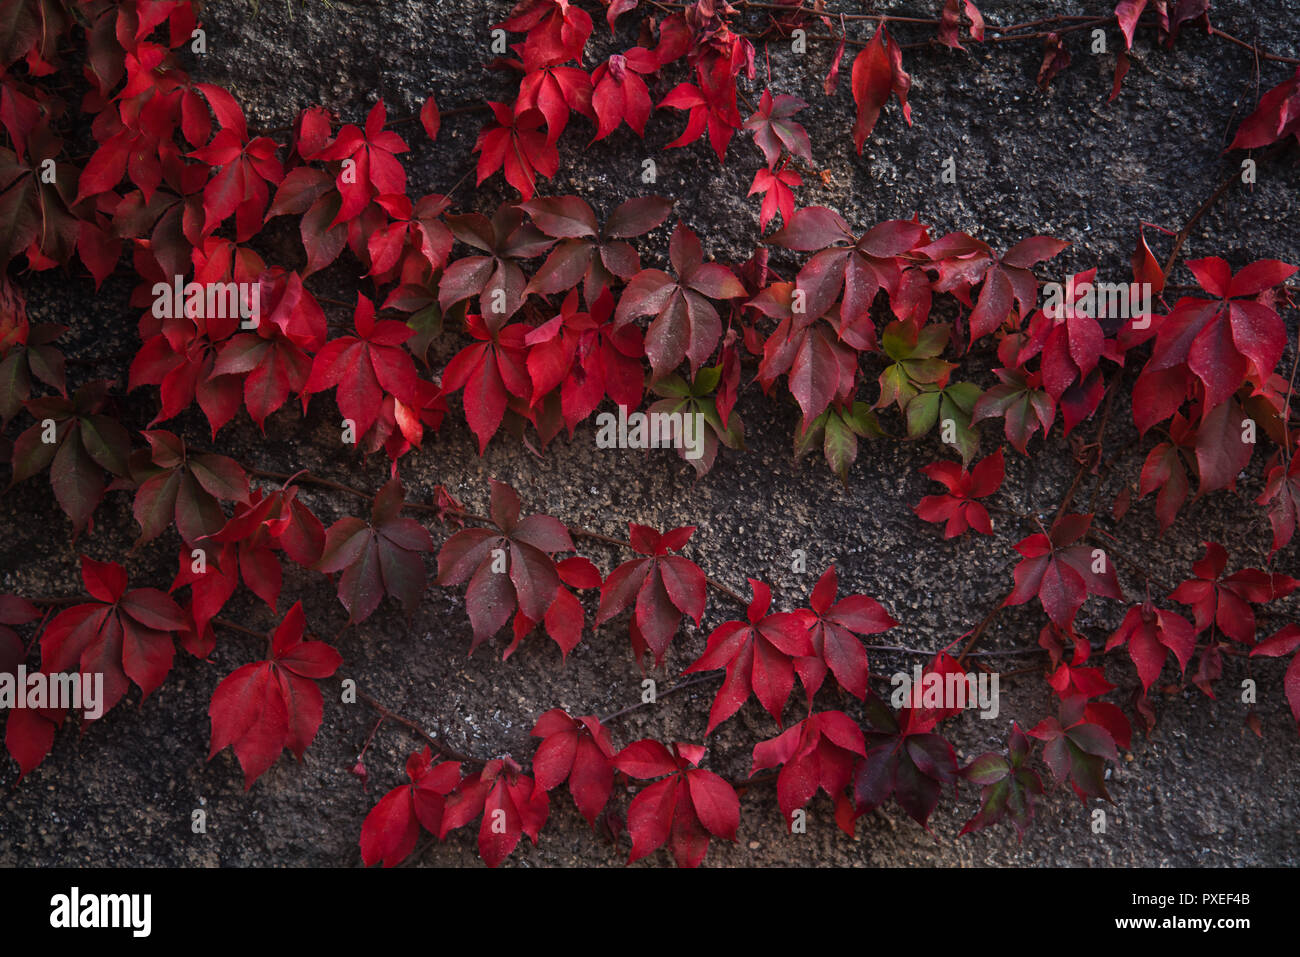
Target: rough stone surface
x=1201, y=789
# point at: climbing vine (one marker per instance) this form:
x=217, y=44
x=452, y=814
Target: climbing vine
x=558, y=312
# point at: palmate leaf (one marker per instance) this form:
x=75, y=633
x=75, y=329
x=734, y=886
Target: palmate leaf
x=174, y=485
x=518, y=147
x=775, y=129
x=1282, y=496
x=23, y=362
x=1061, y=573
x=1024, y=404
x=366, y=367
x=958, y=507
x=587, y=252
x=904, y=759
x=819, y=752
x=262, y=708
x=392, y=827
x=1076, y=748
x=844, y=268
x=577, y=750
x=1217, y=342
x=699, y=397
x=1008, y=788
x=686, y=324
x=378, y=557
x=837, y=431
x=758, y=655
x=85, y=443
x=833, y=628
x=512, y=571
x=1284, y=642
x=1224, y=601
x=125, y=635
x=660, y=588
x=508, y=800
x=685, y=809
x=1151, y=634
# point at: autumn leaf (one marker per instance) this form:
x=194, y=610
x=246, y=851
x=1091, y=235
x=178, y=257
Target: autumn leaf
x=832, y=627
x=819, y=752
x=1282, y=496
x=262, y=708
x=597, y=256
x=586, y=358
x=1221, y=341
x=174, y=485
x=775, y=129
x=512, y=570
x=1275, y=118
x=660, y=588
x=619, y=94
x=1062, y=573
x=878, y=73
x=577, y=750
x=950, y=23
x=557, y=29
x=957, y=508
x=1225, y=601
x=78, y=442
x=366, y=367
x=1283, y=642
x=1076, y=749
x=493, y=371
x=390, y=830
x=29, y=732
x=857, y=268
x=684, y=809
x=686, y=324
x=904, y=759
x=123, y=634
x=518, y=147
x=1150, y=634
x=1023, y=404
x=495, y=277
x=510, y=803
x=247, y=166
x=368, y=165
x=1008, y=282
x=775, y=187
x=377, y=557
x=758, y=655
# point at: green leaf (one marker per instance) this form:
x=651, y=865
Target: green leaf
x=862, y=421
x=956, y=404
x=922, y=412
x=706, y=381
x=427, y=324
x=841, y=446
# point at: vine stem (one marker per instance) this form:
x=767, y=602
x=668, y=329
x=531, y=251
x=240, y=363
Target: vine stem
x=1195, y=218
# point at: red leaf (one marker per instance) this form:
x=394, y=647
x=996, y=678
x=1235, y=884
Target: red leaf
x=877, y=72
